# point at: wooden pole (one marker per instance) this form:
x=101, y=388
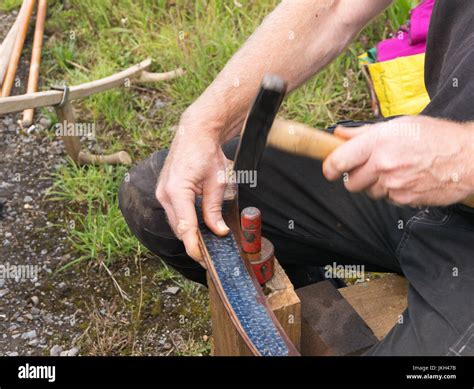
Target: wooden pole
x=6, y=48
x=20, y=40
x=35, y=59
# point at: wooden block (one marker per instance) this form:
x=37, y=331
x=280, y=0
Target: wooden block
x=379, y=302
x=285, y=304
x=329, y=325
x=283, y=301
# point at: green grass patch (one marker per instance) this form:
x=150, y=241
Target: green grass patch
x=97, y=230
x=89, y=39
x=10, y=5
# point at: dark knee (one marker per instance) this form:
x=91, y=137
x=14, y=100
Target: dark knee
x=138, y=203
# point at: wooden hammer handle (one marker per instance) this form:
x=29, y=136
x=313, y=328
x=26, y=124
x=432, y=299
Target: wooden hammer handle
x=297, y=138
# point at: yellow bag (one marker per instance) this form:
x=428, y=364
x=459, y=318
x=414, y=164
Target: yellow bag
x=400, y=85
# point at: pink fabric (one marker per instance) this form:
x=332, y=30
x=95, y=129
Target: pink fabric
x=420, y=21
x=411, y=43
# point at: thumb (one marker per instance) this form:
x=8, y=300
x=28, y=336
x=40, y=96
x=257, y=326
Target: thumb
x=212, y=198
x=350, y=132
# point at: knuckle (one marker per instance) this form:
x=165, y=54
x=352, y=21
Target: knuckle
x=338, y=164
x=394, y=183
x=161, y=194
x=384, y=163
x=351, y=185
x=402, y=199
x=212, y=209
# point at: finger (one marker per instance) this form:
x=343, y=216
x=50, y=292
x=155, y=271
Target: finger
x=186, y=222
x=361, y=178
x=212, y=198
x=164, y=201
x=350, y=155
x=350, y=132
x=378, y=191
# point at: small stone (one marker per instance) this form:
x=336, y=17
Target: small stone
x=63, y=353
x=167, y=346
x=172, y=290
x=29, y=335
x=20, y=319
x=3, y=292
x=35, y=300
x=205, y=338
x=28, y=199
x=55, y=350
x=31, y=130
x=44, y=252
x=13, y=354
x=29, y=316
x=33, y=342
x=45, y=122
x=35, y=311
x=73, y=352
x=8, y=234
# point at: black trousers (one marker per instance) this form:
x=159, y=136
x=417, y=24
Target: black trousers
x=312, y=223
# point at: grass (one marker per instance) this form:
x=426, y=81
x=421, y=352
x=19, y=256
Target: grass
x=9, y=5
x=89, y=39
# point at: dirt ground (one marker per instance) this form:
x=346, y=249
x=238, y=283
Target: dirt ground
x=84, y=310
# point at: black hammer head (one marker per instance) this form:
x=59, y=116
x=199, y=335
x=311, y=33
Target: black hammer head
x=258, y=123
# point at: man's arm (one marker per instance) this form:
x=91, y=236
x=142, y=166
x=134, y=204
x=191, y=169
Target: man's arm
x=295, y=41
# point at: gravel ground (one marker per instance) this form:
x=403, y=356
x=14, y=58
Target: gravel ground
x=78, y=311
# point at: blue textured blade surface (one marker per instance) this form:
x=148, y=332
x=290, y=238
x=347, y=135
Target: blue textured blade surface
x=241, y=292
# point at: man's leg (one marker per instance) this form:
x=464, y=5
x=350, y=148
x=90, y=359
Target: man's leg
x=437, y=257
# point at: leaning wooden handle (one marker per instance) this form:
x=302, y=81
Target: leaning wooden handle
x=297, y=138
x=119, y=158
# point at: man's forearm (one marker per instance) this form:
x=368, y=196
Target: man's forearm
x=295, y=41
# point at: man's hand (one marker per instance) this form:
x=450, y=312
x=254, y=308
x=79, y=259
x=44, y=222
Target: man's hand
x=413, y=160
x=192, y=169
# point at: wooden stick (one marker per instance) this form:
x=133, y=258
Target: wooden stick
x=54, y=97
x=20, y=40
x=297, y=138
x=6, y=48
x=119, y=158
x=155, y=77
x=72, y=144
x=35, y=58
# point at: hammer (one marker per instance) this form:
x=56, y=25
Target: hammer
x=292, y=137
